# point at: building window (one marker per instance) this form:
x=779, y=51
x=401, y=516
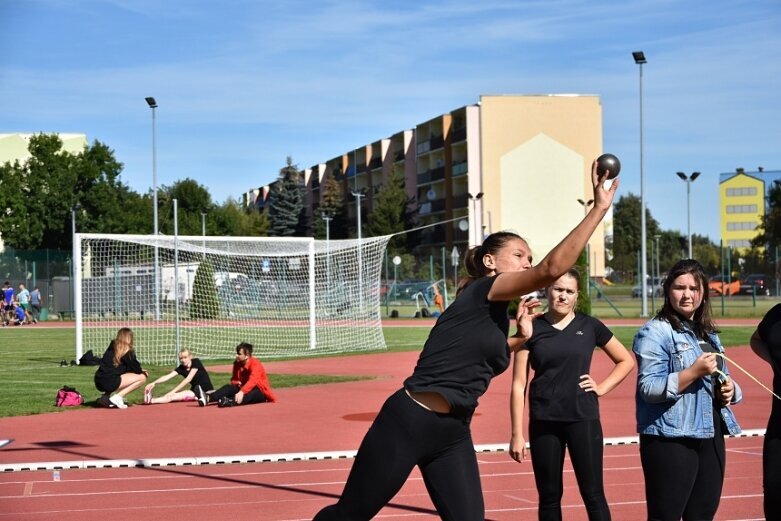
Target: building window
x=741, y=225
x=737, y=192
x=742, y=208
x=739, y=243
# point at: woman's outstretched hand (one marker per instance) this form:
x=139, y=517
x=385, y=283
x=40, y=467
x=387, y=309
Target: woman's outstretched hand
x=603, y=197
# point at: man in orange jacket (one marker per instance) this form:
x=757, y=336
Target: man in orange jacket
x=249, y=383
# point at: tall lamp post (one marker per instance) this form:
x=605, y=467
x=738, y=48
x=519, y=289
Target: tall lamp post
x=585, y=205
x=477, y=226
x=153, y=105
x=639, y=58
x=73, y=260
x=688, y=180
x=358, y=196
x=327, y=220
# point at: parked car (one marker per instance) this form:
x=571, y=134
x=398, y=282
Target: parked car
x=755, y=284
x=718, y=286
x=653, y=288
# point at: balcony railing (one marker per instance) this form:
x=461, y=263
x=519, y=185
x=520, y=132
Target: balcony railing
x=460, y=168
x=459, y=134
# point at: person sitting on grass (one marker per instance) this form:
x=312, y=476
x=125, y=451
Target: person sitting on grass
x=194, y=373
x=249, y=383
x=119, y=371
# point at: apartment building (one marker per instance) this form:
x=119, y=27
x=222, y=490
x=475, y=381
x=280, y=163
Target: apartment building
x=507, y=162
x=742, y=204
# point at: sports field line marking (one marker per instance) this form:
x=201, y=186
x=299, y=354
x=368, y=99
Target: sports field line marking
x=267, y=458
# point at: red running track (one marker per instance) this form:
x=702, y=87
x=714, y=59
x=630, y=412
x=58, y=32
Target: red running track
x=329, y=417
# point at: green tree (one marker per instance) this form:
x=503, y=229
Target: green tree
x=192, y=199
x=626, y=233
x=286, y=203
x=205, y=303
x=391, y=212
x=331, y=205
x=769, y=236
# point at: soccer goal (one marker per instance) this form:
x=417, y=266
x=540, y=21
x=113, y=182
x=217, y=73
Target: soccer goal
x=287, y=296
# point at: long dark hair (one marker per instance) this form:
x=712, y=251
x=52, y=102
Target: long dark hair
x=473, y=260
x=702, y=322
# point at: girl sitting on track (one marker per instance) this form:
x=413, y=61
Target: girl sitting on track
x=563, y=398
x=683, y=397
x=426, y=423
x=119, y=371
x=194, y=373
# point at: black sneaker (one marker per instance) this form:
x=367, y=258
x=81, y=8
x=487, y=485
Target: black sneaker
x=104, y=401
x=63, y=363
x=226, y=402
x=201, y=396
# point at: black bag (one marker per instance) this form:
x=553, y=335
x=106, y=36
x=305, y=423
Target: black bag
x=89, y=358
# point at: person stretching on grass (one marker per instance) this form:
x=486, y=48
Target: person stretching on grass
x=194, y=373
x=119, y=371
x=249, y=383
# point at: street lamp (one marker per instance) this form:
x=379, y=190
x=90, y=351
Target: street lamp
x=688, y=180
x=358, y=196
x=639, y=58
x=474, y=199
x=585, y=205
x=75, y=252
x=153, y=105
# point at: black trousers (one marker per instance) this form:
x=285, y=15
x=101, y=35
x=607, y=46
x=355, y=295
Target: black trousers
x=548, y=441
x=403, y=435
x=771, y=465
x=230, y=390
x=683, y=477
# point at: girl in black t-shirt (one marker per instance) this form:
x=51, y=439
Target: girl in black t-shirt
x=194, y=373
x=426, y=423
x=563, y=399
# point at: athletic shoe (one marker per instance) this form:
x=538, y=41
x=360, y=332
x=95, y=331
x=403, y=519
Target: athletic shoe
x=118, y=401
x=202, y=400
x=104, y=401
x=147, y=396
x=226, y=402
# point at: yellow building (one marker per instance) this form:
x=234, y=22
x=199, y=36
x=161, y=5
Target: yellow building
x=742, y=205
x=13, y=147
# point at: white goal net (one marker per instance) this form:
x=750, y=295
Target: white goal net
x=289, y=297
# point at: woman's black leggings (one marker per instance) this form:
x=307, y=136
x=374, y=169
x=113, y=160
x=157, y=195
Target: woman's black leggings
x=403, y=435
x=683, y=477
x=771, y=463
x=548, y=441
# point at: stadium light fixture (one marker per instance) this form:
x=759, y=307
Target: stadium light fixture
x=688, y=180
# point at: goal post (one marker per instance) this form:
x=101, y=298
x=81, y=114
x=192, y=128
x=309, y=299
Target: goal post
x=288, y=296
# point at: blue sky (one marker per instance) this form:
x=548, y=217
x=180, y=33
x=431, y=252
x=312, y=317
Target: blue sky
x=243, y=84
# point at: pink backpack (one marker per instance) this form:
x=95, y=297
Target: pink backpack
x=68, y=397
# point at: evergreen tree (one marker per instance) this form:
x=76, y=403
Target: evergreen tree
x=286, y=203
x=205, y=302
x=331, y=205
x=391, y=212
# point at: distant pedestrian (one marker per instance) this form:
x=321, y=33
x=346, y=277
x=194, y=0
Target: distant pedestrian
x=36, y=302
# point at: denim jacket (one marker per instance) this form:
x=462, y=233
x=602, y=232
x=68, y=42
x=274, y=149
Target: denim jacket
x=662, y=410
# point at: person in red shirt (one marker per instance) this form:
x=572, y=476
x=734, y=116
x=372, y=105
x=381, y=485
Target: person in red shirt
x=249, y=383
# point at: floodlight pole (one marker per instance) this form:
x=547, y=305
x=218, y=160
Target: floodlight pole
x=153, y=105
x=358, y=196
x=639, y=58
x=477, y=228
x=688, y=180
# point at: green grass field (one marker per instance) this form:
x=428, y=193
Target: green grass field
x=30, y=372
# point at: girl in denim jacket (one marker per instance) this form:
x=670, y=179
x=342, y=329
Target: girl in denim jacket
x=683, y=397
